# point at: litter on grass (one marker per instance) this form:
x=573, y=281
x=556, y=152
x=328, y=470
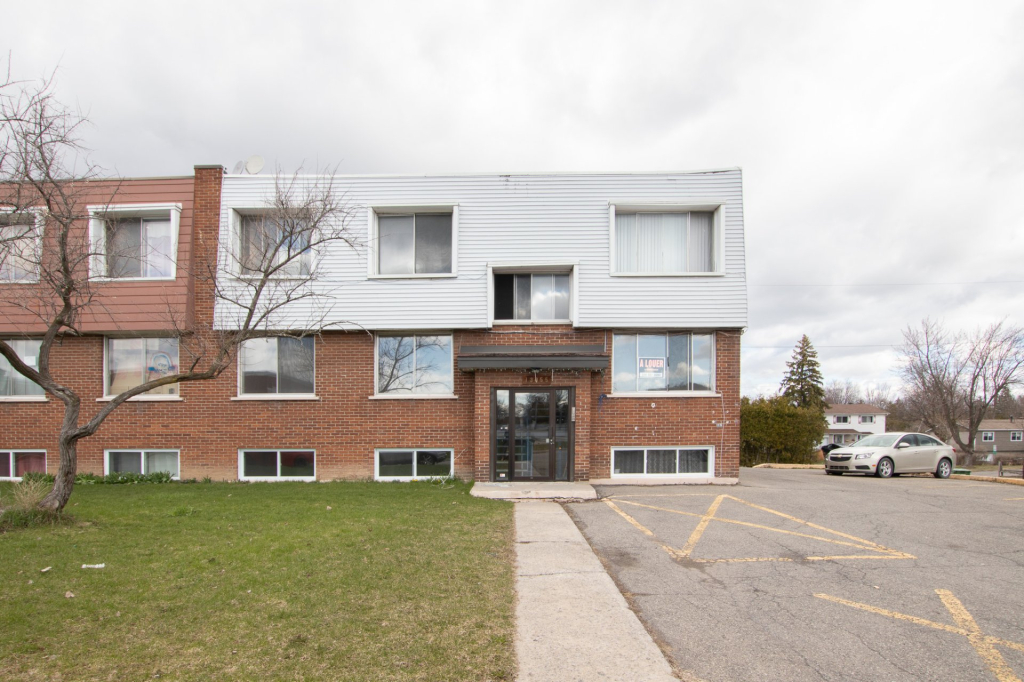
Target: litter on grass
x=94, y=565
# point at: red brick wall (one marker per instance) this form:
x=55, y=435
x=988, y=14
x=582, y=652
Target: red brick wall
x=345, y=424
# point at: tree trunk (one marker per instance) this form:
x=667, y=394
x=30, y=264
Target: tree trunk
x=64, y=482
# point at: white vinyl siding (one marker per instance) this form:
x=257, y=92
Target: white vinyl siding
x=519, y=218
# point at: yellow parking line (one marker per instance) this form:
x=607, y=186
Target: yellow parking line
x=708, y=517
x=646, y=531
x=702, y=526
x=986, y=650
x=619, y=497
x=983, y=644
x=1013, y=498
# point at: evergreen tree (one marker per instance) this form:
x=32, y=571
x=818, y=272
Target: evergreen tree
x=802, y=383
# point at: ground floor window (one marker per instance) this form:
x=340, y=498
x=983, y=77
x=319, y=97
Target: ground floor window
x=273, y=465
x=406, y=465
x=662, y=461
x=16, y=463
x=142, y=462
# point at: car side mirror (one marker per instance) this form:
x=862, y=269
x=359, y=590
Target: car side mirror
x=902, y=446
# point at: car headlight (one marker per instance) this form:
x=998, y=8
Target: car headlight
x=866, y=455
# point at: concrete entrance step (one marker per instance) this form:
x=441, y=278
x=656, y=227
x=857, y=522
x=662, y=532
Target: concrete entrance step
x=559, y=490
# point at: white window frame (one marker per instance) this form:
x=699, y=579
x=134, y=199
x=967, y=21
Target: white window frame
x=279, y=477
x=241, y=395
x=234, y=266
x=988, y=437
x=713, y=393
x=24, y=397
x=560, y=267
x=142, y=397
x=98, y=217
x=374, y=210
x=867, y=419
x=841, y=419
x=1016, y=436
x=376, y=464
x=39, y=225
x=715, y=206
x=711, y=461
x=142, y=454
x=377, y=395
x=10, y=455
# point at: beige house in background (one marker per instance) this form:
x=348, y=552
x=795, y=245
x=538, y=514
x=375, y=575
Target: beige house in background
x=997, y=439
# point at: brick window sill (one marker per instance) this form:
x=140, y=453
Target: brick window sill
x=145, y=399
x=24, y=399
x=276, y=396
x=666, y=394
x=411, y=396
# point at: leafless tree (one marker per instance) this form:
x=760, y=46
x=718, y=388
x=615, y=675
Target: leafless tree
x=880, y=395
x=952, y=378
x=45, y=178
x=842, y=392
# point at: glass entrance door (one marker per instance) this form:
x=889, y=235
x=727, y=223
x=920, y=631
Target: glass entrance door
x=532, y=434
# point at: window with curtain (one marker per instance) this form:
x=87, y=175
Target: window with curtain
x=662, y=362
x=14, y=384
x=281, y=365
x=534, y=297
x=414, y=244
x=143, y=461
x=664, y=243
x=662, y=461
x=19, y=248
x=275, y=246
x=131, y=362
x=139, y=247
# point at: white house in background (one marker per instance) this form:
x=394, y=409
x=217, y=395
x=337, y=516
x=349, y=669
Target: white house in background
x=850, y=423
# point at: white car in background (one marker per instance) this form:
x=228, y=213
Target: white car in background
x=892, y=454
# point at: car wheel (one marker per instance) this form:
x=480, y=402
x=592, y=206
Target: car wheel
x=944, y=469
x=884, y=469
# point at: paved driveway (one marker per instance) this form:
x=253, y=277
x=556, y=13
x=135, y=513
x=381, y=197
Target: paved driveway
x=794, y=575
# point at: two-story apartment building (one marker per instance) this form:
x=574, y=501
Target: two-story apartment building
x=492, y=327
x=848, y=423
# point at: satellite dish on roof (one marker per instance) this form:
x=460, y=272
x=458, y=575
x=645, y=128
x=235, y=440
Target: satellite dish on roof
x=254, y=164
x=239, y=167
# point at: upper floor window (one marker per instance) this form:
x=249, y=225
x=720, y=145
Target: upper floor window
x=14, y=384
x=841, y=419
x=135, y=241
x=282, y=365
x=20, y=246
x=666, y=242
x=414, y=242
x=275, y=246
x=535, y=297
x=663, y=362
x=867, y=419
x=415, y=364
x=988, y=436
x=131, y=362
x=1015, y=436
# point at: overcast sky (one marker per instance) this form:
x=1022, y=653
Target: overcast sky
x=882, y=143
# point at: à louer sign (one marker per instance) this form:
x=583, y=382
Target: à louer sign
x=651, y=368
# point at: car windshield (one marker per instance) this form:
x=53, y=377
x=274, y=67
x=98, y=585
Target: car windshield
x=881, y=440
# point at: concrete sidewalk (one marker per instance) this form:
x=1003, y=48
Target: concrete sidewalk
x=572, y=623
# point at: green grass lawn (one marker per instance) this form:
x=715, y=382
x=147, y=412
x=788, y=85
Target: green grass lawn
x=285, y=581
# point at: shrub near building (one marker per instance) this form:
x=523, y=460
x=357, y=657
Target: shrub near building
x=775, y=430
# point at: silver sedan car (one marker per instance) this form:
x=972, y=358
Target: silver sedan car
x=892, y=454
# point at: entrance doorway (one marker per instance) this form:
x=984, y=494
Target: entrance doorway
x=532, y=434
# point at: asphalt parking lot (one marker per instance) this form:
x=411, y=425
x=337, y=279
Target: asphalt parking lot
x=794, y=575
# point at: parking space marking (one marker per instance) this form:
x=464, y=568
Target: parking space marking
x=984, y=645
x=619, y=497
x=710, y=515
x=1013, y=498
